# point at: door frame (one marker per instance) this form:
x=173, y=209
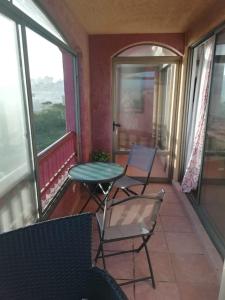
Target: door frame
x=148, y=60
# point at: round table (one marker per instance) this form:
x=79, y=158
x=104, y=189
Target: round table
x=96, y=173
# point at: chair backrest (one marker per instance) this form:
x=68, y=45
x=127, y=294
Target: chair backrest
x=139, y=209
x=141, y=157
x=48, y=260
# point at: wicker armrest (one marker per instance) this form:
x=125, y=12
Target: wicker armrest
x=103, y=287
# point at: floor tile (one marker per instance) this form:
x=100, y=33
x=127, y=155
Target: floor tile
x=156, y=243
x=119, y=246
x=176, y=224
x=158, y=226
x=156, y=187
x=163, y=291
x=171, y=197
x=121, y=266
x=161, y=264
x=193, y=268
x=145, y=291
x=167, y=291
x=184, y=243
x=172, y=209
x=129, y=291
x=196, y=291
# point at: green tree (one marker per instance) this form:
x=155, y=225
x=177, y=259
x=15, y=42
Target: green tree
x=50, y=125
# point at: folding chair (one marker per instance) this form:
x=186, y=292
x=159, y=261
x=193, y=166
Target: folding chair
x=141, y=158
x=133, y=217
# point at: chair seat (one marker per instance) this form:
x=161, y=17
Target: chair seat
x=128, y=219
x=127, y=231
x=127, y=181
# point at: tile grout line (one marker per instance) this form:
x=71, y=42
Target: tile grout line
x=171, y=261
x=170, y=255
x=133, y=257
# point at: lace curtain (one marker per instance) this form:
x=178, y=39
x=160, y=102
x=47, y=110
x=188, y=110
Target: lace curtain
x=191, y=176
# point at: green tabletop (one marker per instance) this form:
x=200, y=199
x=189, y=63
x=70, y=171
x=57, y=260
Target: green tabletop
x=96, y=172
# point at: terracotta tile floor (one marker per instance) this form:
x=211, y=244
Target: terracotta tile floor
x=180, y=261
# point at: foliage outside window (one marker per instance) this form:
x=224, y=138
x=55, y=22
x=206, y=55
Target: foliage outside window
x=47, y=84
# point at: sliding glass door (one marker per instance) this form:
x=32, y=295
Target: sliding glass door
x=204, y=163
x=212, y=199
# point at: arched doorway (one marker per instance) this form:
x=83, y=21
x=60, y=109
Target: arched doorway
x=144, y=110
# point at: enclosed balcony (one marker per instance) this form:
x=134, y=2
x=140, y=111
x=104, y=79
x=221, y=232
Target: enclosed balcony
x=78, y=77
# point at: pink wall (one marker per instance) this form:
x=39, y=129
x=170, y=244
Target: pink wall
x=102, y=48
x=77, y=38
x=69, y=91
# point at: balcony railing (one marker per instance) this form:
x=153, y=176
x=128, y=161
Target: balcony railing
x=54, y=163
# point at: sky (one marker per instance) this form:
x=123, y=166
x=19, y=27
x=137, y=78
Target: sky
x=45, y=59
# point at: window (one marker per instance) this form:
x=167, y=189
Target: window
x=47, y=84
x=147, y=50
x=31, y=9
x=17, y=189
x=34, y=55
x=207, y=85
x=211, y=196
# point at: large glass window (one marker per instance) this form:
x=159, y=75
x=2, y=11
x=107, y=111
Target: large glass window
x=208, y=197
x=37, y=96
x=31, y=9
x=47, y=84
x=18, y=203
x=212, y=198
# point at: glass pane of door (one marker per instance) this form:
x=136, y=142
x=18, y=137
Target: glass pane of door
x=213, y=177
x=144, y=110
x=17, y=189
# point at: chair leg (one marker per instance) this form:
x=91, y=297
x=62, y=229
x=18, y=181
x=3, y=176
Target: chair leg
x=126, y=192
x=100, y=249
x=97, y=254
x=149, y=265
x=117, y=190
x=85, y=204
x=143, y=189
x=103, y=258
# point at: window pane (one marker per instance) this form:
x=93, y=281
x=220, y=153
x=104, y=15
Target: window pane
x=147, y=50
x=13, y=144
x=31, y=9
x=47, y=83
x=144, y=95
x=213, y=178
x=15, y=168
